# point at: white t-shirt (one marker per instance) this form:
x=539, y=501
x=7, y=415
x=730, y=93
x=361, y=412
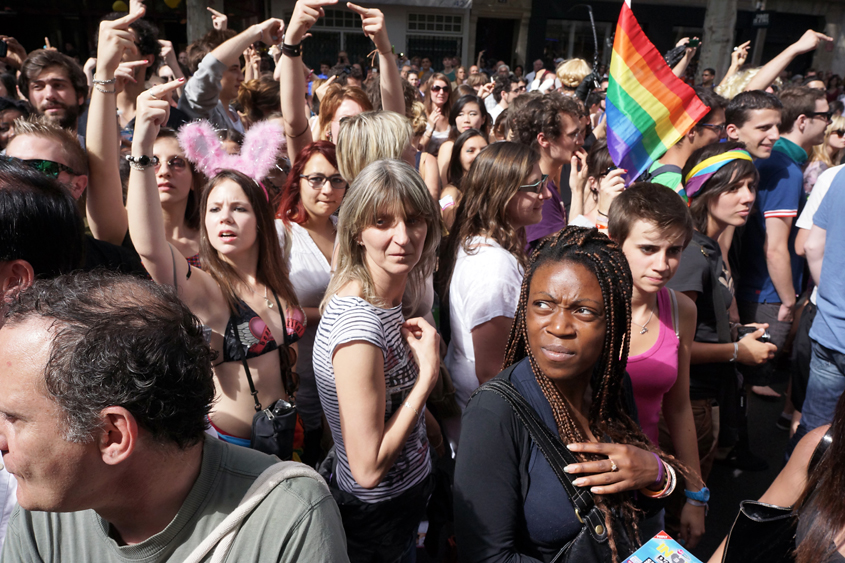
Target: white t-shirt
x=494, y=113
x=485, y=285
x=805, y=220
x=8, y=500
x=310, y=273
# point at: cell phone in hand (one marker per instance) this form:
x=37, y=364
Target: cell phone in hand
x=695, y=42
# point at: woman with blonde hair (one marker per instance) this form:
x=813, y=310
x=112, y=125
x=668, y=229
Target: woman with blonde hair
x=481, y=264
x=571, y=73
x=378, y=135
x=827, y=154
x=438, y=90
x=375, y=370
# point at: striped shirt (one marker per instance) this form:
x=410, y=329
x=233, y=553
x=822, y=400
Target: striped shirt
x=350, y=319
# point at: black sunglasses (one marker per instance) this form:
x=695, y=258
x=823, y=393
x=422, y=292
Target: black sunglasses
x=838, y=132
x=536, y=187
x=437, y=88
x=48, y=167
x=824, y=114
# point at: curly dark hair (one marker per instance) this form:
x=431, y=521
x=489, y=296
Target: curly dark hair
x=121, y=341
x=544, y=114
x=41, y=59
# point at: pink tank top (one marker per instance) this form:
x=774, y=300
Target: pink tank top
x=655, y=371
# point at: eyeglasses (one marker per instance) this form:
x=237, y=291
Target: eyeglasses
x=720, y=129
x=437, y=88
x=174, y=163
x=317, y=181
x=826, y=115
x=536, y=187
x=838, y=132
x=48, y=167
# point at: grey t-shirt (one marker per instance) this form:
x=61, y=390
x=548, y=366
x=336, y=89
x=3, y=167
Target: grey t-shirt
x=297, y=521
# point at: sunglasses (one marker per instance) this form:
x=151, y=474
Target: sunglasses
x=826, y=115
x=720, y=129
x=838, y=132
x=174, y=163
x=536, y=187
x=317, y=181
x=48, y=167
x=437, y=88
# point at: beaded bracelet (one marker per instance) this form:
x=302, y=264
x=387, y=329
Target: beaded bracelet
x=109, y=81
x=104, y=91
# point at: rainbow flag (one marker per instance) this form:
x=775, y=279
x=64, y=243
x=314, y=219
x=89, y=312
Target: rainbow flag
x=648, y=108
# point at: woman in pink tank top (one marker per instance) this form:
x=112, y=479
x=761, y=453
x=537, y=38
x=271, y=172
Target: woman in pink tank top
x=653, y=226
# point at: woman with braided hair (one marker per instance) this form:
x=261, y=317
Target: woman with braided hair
x=569, y=348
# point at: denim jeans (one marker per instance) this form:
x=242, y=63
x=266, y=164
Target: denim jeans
x=827, y=382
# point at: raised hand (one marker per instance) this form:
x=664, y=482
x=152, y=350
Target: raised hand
x=305, y=15
x=218, y=20
x=115, y=39
x=271, y=31
x=809, y=41
x=15, y=53
x=740, y=53
x=152, y=112
x=372, y=22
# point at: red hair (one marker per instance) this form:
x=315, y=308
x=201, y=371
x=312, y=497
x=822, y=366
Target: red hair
x=290, y=207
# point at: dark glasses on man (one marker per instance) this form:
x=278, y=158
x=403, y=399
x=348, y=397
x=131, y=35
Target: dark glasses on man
x=48, y=167
x=826, y=115
x=718, y=129
x=536, y=187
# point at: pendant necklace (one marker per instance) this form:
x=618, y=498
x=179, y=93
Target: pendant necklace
x=270, y=305
x=643, y=327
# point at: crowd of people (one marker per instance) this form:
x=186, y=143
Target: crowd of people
x=428, y=291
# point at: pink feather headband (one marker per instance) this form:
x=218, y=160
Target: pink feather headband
x=257, y=157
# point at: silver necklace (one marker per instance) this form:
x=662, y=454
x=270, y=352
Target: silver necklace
x=643, y=327
x=270, y=305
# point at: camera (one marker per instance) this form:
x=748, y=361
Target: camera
x=746, y=330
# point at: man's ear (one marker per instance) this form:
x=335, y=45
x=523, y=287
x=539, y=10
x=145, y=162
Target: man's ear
x=15, y=275
x=542, y=140
x=732, y=131
x=78, y=185
x=118, y=436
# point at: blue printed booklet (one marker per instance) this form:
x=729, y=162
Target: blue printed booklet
x=662, y=549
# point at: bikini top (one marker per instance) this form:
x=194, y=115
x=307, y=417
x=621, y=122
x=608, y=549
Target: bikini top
x=247, y=333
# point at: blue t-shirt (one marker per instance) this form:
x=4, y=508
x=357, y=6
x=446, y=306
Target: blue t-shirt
x=778, y=195
x=829, y=324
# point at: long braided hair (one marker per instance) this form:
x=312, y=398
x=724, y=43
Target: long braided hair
x=607, y=416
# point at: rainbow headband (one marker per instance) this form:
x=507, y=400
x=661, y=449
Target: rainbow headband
x=705, y=169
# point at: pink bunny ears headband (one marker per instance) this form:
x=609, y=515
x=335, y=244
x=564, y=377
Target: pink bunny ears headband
x=257, y=157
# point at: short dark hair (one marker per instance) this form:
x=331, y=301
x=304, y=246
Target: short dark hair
x=40, y=59
x=650, y=202
x=10, y=83
x=739, y=109
x=459, y=105
x=39, y=221
x=342, y=72
x=721, y=181
x=503, y=84
x=798, y=101
x=710, y=99
x=542, y=115
x=121, y=341
x=197, y=50
x=710, y=70
x=594, y=98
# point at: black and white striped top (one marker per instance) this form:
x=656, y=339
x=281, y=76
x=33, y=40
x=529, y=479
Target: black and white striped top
x=349, y=319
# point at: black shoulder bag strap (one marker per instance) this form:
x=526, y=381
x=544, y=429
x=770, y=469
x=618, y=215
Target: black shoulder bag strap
x=287, y=384
x=554, y=451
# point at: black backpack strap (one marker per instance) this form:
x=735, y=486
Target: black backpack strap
x=552, y=449
x=821, y=448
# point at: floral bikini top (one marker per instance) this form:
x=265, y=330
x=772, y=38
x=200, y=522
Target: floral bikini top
x=247, y=333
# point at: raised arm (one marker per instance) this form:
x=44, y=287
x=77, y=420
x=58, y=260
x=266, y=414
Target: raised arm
x=392, y=97
x=809, y=41
x=738, y=56
x=104, y=204
x=682, y=65
x=293, y=87
x=373, y=444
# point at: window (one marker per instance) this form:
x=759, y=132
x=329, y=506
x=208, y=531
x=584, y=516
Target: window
x=435, y=23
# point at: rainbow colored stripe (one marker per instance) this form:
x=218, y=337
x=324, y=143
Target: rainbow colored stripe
x=648, y=108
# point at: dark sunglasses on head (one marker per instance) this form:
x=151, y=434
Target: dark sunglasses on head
x=437, y=88
x=536, y=187
x=174, y=163
x=48, y=167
